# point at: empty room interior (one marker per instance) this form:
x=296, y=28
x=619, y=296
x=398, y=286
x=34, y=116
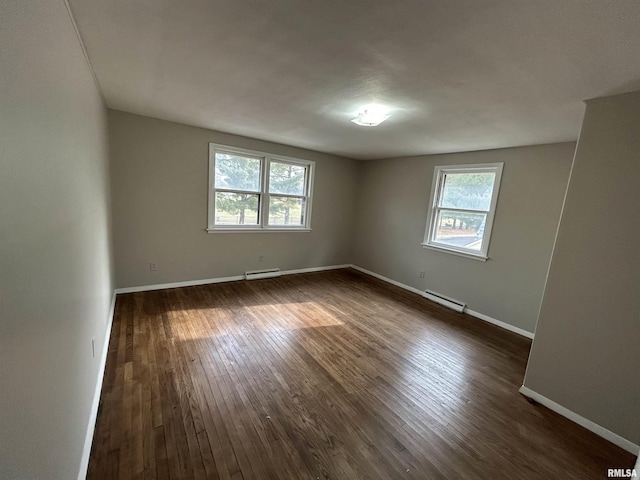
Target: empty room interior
x=319, y=240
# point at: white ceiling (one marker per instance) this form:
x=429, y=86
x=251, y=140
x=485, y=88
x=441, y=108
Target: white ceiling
x=458, y=75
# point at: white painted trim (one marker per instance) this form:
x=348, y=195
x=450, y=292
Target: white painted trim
x=614, y=438
x=263, y=193
x=473, y=313
x=388, y=280
x=186, y=283
x=499, y=323
x=88, y=440
x=207, y=281
x=436, y=191
x=255, y=230
x=316, y=269
x=438, y=248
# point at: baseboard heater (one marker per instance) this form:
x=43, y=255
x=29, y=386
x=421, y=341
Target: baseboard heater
x=257, y=274
x=456, y=305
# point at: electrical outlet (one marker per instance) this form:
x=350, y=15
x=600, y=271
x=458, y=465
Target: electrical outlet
x=421, y=274
x=93, y=347
x=260, y=257
x=153, y=267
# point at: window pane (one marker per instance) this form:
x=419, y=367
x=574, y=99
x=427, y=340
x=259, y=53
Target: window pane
x=236, y=208
x=287, y=178
x=286, y=211
x=458, y=229
x=236, y=172
x=470, y=191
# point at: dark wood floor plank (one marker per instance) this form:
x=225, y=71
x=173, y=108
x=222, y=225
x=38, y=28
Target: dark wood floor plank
x=280, y=406
x=333, y=375
x=337, y=425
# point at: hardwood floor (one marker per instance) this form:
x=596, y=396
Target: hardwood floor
x=334, y=375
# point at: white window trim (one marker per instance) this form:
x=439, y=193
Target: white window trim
x=438, y=175
x=263, y=206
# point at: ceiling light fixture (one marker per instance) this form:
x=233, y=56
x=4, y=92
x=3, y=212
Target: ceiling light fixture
x=371, y=116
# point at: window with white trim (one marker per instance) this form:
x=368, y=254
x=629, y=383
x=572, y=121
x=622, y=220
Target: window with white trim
x=463, y=204
x=251, y=191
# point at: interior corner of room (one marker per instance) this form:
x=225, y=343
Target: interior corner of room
x=96, y=201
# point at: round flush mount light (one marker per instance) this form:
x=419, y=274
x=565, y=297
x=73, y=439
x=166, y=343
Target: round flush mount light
x=371, y=116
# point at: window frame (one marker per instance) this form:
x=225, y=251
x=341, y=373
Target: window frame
x=437, y=189
x=263, y=194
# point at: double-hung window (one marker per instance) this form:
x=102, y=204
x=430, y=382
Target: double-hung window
x=251, y=191
x=463, y=204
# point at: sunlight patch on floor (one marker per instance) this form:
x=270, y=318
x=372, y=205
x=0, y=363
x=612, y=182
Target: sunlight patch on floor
x=299, y=316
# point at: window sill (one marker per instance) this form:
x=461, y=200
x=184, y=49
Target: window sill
x=479, y=257
x=256, y=230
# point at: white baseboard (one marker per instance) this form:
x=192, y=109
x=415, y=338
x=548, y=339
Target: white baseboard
x=316, y=269
x=473, y=313
x=614, y=438
x=187, y=283
x=207, y=281
x=86, y=452
x=386, y=279
x=498, y=323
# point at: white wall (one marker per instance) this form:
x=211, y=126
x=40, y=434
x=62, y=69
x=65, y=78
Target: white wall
x=55, y=260
x=585, y=356
x=160, y=182
x=393, y=201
